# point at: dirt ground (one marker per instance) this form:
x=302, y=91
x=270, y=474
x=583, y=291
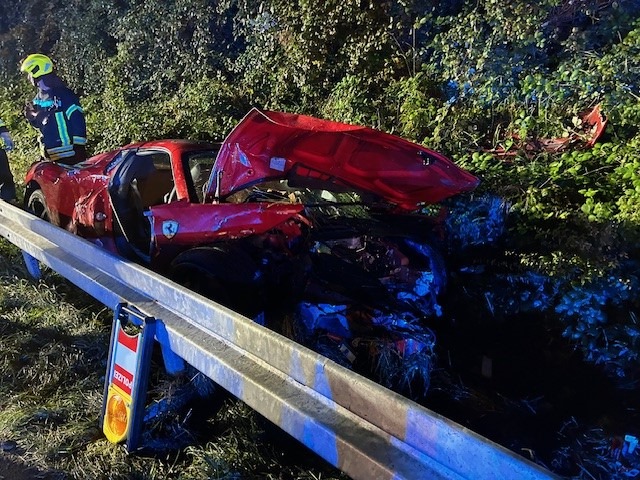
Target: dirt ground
x=13, y=468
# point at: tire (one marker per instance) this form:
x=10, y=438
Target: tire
x=226, y=276
x=37, y=204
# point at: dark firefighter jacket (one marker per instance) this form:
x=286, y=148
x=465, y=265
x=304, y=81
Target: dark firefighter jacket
x=56, y=113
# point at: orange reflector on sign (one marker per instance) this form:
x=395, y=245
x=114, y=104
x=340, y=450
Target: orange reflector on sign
x=116, y=416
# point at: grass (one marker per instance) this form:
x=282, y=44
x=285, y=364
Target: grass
x=53, y=352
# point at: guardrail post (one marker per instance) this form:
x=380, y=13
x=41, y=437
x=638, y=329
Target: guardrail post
x=173, y=364
x=33, y=267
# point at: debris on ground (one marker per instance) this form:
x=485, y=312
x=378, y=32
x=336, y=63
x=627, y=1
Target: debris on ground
x=590, y=453
x=587, y=130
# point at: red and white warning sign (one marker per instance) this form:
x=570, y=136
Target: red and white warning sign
x=125, y=361
x=127, y=375
x=120, y=391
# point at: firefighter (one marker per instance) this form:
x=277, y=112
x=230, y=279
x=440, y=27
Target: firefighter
x=55, y=112
x=7, y=186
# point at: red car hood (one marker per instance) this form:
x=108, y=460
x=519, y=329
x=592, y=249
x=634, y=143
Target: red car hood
x=330, y=155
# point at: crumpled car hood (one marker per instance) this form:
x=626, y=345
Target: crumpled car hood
x=315, y=153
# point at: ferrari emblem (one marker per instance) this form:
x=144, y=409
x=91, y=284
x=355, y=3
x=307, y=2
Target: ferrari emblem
x=169, y=228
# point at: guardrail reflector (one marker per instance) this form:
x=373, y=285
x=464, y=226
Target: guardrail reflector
x=127, y=376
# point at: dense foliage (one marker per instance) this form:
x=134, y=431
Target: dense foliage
x=469, y=78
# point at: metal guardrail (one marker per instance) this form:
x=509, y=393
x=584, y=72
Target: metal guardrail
x=365, y=430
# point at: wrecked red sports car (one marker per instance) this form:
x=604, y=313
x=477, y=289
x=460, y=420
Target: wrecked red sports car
x=310, y=226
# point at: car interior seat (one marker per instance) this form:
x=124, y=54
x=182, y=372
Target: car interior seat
x=199, y=173
x=204, y=172
x=154, y=187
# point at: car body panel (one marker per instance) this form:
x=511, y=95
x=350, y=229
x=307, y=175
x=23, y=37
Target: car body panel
x=308, y=150
x=71, y=190
x=196, y=224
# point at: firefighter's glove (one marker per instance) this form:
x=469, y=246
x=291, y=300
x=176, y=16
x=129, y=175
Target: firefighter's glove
x=30, y=112
x=8, y=141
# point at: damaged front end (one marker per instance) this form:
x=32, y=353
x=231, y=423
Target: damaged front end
x=370, y=294
x=333, y=275
x=313, y=229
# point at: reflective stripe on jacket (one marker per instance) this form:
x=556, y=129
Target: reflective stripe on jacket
x=60, y=118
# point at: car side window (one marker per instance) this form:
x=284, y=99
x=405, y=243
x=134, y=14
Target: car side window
x=161, y=161
x=199, y=169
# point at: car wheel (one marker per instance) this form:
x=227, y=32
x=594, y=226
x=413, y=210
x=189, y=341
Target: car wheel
x=37, y=204
x=226, y=276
